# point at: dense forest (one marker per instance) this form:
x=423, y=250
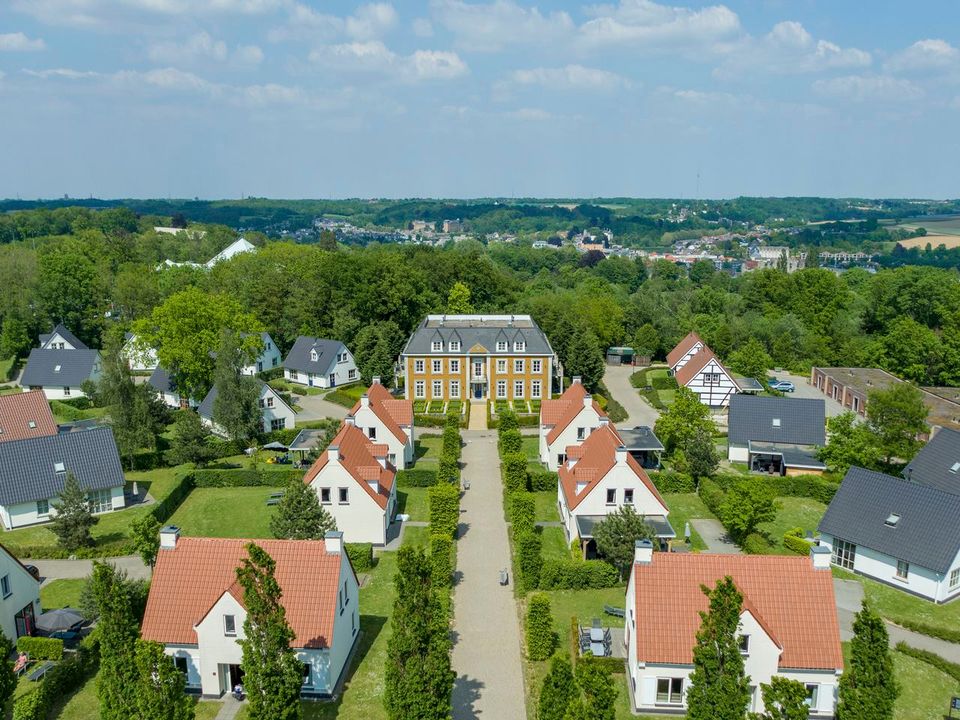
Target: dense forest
x=97, y=271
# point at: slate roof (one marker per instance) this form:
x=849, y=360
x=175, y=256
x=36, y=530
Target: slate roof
x=482, y=330
x=683, y=347
x=75, y=367
x=299, y=356
x=927, y=533
x=359, y=456
x=66, y=335
x=19, y=410
x=28, y=471
x=752, y=418
x=161, y=382
x=205, y=409
x=189, y=579
x=791, y=600
x=938, y=462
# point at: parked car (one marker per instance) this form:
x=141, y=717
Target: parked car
x=781, y=385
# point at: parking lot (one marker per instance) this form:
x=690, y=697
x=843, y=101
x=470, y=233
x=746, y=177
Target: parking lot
x=805, y=390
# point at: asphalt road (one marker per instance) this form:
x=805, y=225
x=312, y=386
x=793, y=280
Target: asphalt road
x=617, y=380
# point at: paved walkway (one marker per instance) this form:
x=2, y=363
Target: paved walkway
x=228, y=711
x=617, y=380
x=715, y=535
x=73, y=569
x=478, y=417
x=314, y=407
x=486, y=651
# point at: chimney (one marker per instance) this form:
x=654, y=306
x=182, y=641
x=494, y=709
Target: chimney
x=349, y=420
x=364, y=400
x=334, y=542
x=376, y=380
x=643, y=552
x=576, y=380
x=820, y=554
x=168, y=537
x=333, y=452
x=604, y=421
x=588, y=401
x=621, y=455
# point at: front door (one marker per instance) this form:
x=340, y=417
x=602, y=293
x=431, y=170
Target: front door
x=478, y=391
x=223, y=671
x=333, y=379
x=24, y=621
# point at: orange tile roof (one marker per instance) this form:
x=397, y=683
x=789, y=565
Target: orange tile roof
x=359, y=457
x=18, y=410
x=791, y=600
x=695, y=364
x=597, y=458
x=189, y=579
x=683, y=347
x=564, y=410
x=392, y=412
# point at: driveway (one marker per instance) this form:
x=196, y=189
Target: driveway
x=486, y=650
x=77, y=569
x=805, y=390
x=314, y=407
x=617, y=380
x=715, y=535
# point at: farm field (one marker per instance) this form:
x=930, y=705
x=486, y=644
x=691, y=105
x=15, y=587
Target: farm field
x=950, y=240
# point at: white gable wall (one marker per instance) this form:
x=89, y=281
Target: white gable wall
x=710, y=393
x=24, y=591
x=58, y=342
x=697, y=346
x=343, y=373
x=402, y=453
x=279, y=411
x=586, y=420
x=268, y=359
x=360, y=519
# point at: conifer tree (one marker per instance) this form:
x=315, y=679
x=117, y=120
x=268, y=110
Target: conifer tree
x=160, y=694
x=868, y=689
x=73, y=520
x=559, y=690
x=300, y=516
x=117, y=681
x=190, y=438
x=8, y=681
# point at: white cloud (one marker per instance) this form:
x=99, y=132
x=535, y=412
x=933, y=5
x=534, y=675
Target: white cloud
x=248, y=55
x=422, y=28
x=928, y=54
x=529, y=114
x=202, y=48
x=570, y=77
x=376, y=58
x=18, y=42
x=368, y=22
x=786, y=50
x=435, y=65
x=492, y=26
x=646, y=24
x=371, y=21
x=866, y=88
x=62, y=73
x=112, y=15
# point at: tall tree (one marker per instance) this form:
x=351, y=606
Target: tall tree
x=850, y=442
x=458, y=300
x=559, y=690
x=160, y=690
x=328, y=240
x=617, y=534
x=14, y=340
x=376, y=348
x=679, y=423
x=599, y=691
x=419, y=681
x=8, y=680
x=190, y=440
x=272, y=673
x=117, y=681
x=748, y=503
x=300, y=516
x=71, y=289
x=73, y=520
x=585, y=358
x=719, y=689
x=646, y=341
x=751, y=360
x=783, y=699
x=236, y=408
x=897, y=416
x=868, y=688
x=145, y=532
x=702, y=454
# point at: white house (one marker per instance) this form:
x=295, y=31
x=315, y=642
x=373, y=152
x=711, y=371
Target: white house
x=316, y=362
x=61, y=339
x=788, y=624
x=60, y=373
x=901, y=533
x=704, y=374
x=776, y=434
x=195, y=608
x=387, y=420
x=599, y=477
x=565, y=421
x=268, y=358
x=275, y=414
x=356, y=484
x=684, y=350
x=20, y=593
x=139, y=357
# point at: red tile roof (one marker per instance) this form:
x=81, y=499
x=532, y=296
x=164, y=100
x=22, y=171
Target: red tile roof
x=598, y=455
x=791, y=600
x=682, y=348
x=393, y=413
x=694, y=365
x=18, y=410
x=189, y=579
x=564, y=410
x=360, y=458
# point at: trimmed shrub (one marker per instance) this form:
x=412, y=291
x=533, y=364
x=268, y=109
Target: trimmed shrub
x=165, y=509
x=815, y=487
x=40, y=648
x=448, y=470
x=507, y=420
x=416, y=477
x=63, y=678
x=671, y=481
x=451, y=441
x=541, y=638
x=577, y=575
x=945, y=666
x=948, y=634
x=529, y=548
x=515, y=472
x=794, y=541
x=436, y=421
x=444, y=500
x=441, y=560
x=616, y=411
x=521, y=513
x=756, y=544
x=639, y=379
x=244, y=477
x=511, y=442
x=611, y=665
x=542, y=480
x=361, y=556
x=712, y=495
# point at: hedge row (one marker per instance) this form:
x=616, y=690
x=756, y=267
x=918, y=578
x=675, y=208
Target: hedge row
x=114, y=548
x=541, y=637
x=62, y=679
x=361, y=556
x=945, y=666
x=816, y=487
x=244, y=478
x=416, y=477
x=577, y=575
x=671, y=481
x=542, y=480
x=441, y=560
x=664, y=383
x=948, y=634
x=444, y=501
x=756, y=544
x=794, y=541
x=40, y=648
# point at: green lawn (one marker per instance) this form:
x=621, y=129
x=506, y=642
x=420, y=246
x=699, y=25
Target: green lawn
x=683, y=507
x=226, y=512
x=427, y=450
x=413, y=501
x=545, y=506
x=531, y=447
x=61, y=593
x=658, y=373
x=555, y=545
x=417, y=536
x=667, y=396
x=206, y=709
x=804, y=513
x=925, y=692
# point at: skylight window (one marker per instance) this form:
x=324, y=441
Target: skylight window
x=776, y=422
x=955, y=468
x=57, y=368
x=32, y=424
x=892, y=520
x=59, y=467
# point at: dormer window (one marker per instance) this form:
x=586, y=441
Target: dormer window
x=501, y=345
x=436, y=346
x=892, y=520
x=454, y=346
x=59, y=467
x=519, y=346
x=776, y=422
x=313, y=356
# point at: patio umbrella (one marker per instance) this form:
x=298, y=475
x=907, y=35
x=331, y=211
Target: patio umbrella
x=59, y=620
x=275, y=446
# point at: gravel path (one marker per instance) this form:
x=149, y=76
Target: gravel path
x=314, y=407
x=715, y=535
x=73, y=569
x=486, y=651
x=617, y=380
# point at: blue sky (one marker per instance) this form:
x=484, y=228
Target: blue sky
x=454, y=98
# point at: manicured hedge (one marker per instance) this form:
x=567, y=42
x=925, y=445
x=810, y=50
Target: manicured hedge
x=948, y=634
x=794, y=541
x=712, y=495
x=515, y=471
x=114, y=548
x=756, y=544
x=950, y=668
x=67, y=412
x=361, y=556
x=424, y=420
x=541, y=638
x=612, y=665
x=40, y=648
x=444, y=501
x=441, y=559
x=529, y=551
x=417, y=477
x=671, y=481
x=577, y=575
x=448, y=470
x=165, y=509
x=244, y=478
x=341, y=398
x=511, y=442
x=542, y=480
x=816, y=487
x=522, y=513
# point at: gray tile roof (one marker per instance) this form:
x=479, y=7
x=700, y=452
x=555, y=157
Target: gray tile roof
x=927, y=533
x=75, y=366
x=66, y=335
x=28, y=471
x=160, y=381
x=938, y=462
x=205, y=409
x=299, y=356
x=484, y=330
x=640, y=437
x=801, y=421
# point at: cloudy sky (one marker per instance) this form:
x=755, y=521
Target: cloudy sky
x=455, y=98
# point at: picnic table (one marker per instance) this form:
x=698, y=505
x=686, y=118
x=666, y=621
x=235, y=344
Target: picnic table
x=40, y=671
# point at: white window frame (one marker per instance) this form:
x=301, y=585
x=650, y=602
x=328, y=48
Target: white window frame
x=419, y=365
x=326, y=491
x=278, y=424
x=628, y=496
x=518, y=388
x=233, y=620
x=520, y=346
x=437, y=366
x=436, y=390
x=501, y=345
x=343, y=496
x=313, y=356
x=518, y=365
x=420, y=389
x=436, y=346
x=844, y=554
x=536, y=366
x=351, y=374
x=744, y=644
x=954, y=578
x=100, y=501
x=670, y=697
x=5, y=586
x=501, y=389
x=307, y=674
x=813, y=693
x=903, y=570
x=611, y=496
x=66, y=390
x=43, y=508
x=454, y=389
x=455, y=365
x=536, y=390
x=501, y=366
x=454, y=346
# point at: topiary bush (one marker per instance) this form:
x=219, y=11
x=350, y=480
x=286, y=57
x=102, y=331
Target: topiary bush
x=444, y=501
x=441, y=559
x=507, y=420
x=541, y=637
x=515, y=472
x=448, y=470
x=511, y=442
x=794, y=541
x=542, y=480
x=522, y=511
x=529, y=548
